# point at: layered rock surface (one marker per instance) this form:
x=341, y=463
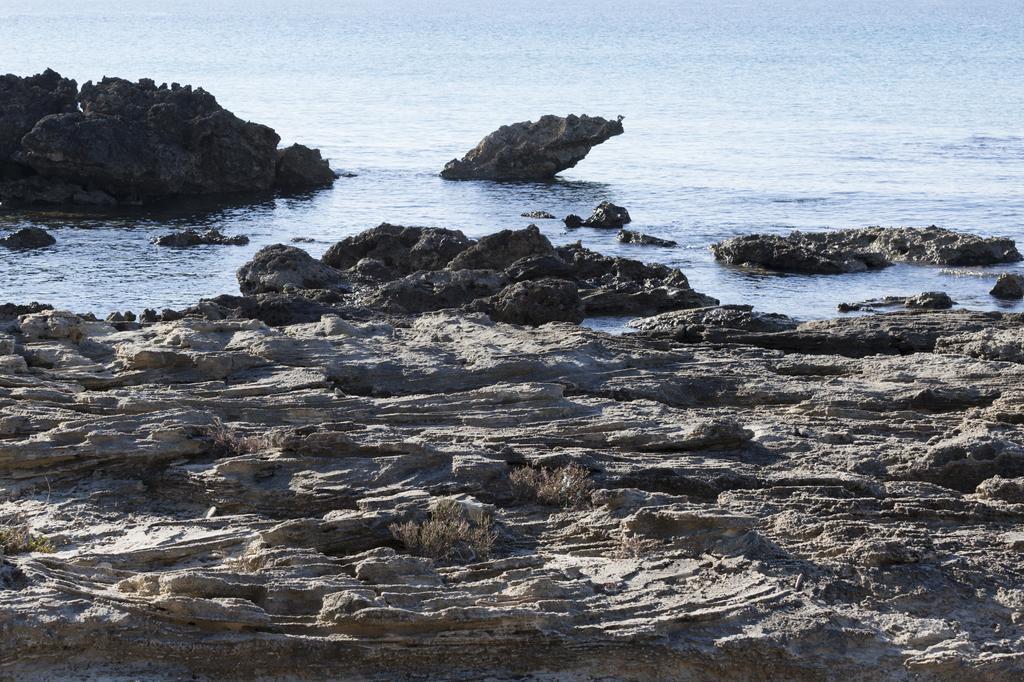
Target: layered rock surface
x=219, y=495
x=533, y=150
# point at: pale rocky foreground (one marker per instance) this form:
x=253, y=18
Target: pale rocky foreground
x=757, y=512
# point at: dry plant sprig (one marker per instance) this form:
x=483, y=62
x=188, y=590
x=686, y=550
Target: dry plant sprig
x=17, y=538
x=448, y=535
x=568, y=486
x=227, y=441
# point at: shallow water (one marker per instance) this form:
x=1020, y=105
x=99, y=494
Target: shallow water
x=740, y=117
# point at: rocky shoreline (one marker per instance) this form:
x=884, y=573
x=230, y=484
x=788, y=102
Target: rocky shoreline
x=408, y=459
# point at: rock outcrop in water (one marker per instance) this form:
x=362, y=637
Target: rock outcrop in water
x=130, y=142
x=190, y=237
x=858, y=250
x=928, y=300
x=27, y=238
x=221, y=498
x=1008, y=286
x=631, y=237
x=533, y=151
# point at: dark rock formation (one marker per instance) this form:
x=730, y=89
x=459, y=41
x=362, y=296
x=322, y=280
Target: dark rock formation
x=714, y=323
x=533, y=151
x=929, y=300
x=499, y=250
x=429, y=290
x=537, y=215
x=402, y=250
x=630, y=237
x=28, y=238
x=607, y=215
x=133, y=142
x=538, y=302
x=300, y=168
x=278, y=267
x=572, y=221
x=1008, y=286
x=23, y=101
x=191, y=237
x=863, y=249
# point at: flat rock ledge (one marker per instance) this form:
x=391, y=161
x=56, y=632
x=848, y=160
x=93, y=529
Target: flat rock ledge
x=215, y=498
x=533, y=151
x=858, y=250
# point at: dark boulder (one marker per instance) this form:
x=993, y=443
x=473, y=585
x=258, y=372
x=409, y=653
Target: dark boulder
x=630, y=237
x=533, y=151
x=499, y=250
x=401, y=249
x=572, y=221
x=36, y=189
x=538, y=267
x=278, y=267
x=300, y=167
x=608, y=215
x=1008, y=286
x=28, y=238
x=191, y=237
x=538, y=302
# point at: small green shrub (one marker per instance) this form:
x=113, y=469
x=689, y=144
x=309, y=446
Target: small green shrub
x=568, y=486
x=447, y=535
x=17, y=538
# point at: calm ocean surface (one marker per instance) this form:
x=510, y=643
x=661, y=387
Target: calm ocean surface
x=741, y=117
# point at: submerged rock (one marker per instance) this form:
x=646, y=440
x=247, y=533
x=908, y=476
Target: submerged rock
x=1008, y=286
x=630, y=237
x=28, y=238
x=572, y=221
x=533, y=151
x=538, y=215
x=857, y=250
x=191, y=237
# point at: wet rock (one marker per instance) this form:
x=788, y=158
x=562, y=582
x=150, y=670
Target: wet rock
x=608, y=215
x=537, y=215
x=299, y=167
x=538, y=267
x=191, y=237
x=714, y=323
x=1008, y=286
x=858, y=250
x=28, y=238
x=572, y=221
x=499, y=250
x=630, y=237
x=401, y=249
x=537, y=302
x=929, y=300
x=533, y=151
x=36, y=189
x=277, y=267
